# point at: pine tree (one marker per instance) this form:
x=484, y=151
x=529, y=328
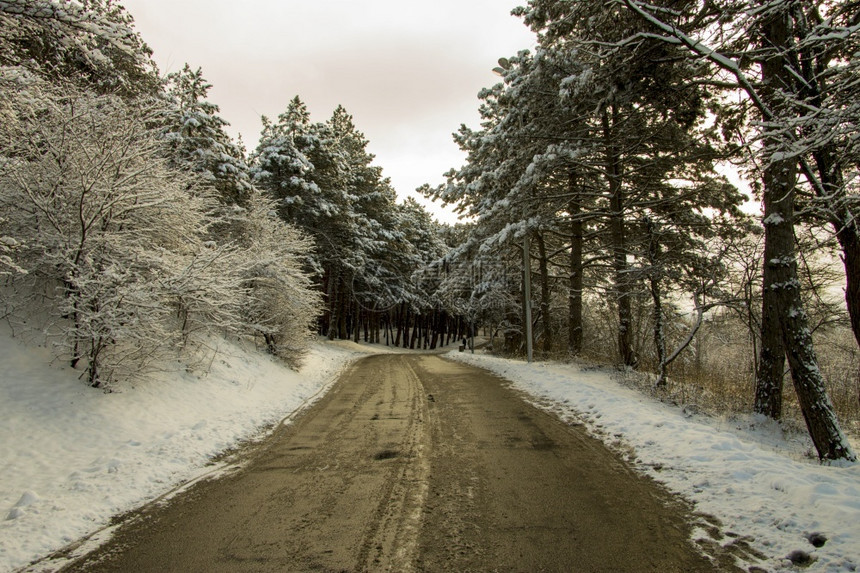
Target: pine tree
x=582, y=145
x=92, y=43
x=197, y=140
x=324, y=182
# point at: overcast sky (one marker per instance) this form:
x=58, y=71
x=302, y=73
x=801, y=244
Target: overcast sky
x=408, y=71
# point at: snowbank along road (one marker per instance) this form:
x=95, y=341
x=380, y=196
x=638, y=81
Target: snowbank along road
x=415, y=463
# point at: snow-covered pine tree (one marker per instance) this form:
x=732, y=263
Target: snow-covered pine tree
x=643, y=111
x=324, y=182
x=579, y=140
x=298, y=165
x=197, y=141
x=92, y=43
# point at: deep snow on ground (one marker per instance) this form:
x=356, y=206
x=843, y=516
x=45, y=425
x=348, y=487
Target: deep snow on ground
x=761, y=484
x=73, y=456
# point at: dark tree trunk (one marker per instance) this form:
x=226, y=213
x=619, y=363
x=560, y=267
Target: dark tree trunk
x=779, y=190
x=343, y=308
x=655, y=275
x=398, y=318
x=524, y=314
x=618, y=243
x=416, y=331
x=389, y=334
x=844, y=226
x=782, y=281
x=849, y=240
x=771, y=359
x=575, y=333
x=428, y=328
x=333, y=303
x=831, y=191
x=438, y=321
x=406, y=324
x=544, y=294
x=357, y=323
x=780, y=271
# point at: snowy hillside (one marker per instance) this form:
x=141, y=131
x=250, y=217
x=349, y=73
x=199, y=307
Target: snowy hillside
x=74, y=456
x=762, y=486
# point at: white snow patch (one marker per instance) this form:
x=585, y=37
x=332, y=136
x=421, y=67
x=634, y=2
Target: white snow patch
x=759, y=483
x=773, y=219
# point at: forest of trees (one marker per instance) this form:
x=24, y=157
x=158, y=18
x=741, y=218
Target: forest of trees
x=377, y=262
x=132, y=225
x=600, y=155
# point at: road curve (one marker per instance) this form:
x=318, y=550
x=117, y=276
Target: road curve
x=414, y=463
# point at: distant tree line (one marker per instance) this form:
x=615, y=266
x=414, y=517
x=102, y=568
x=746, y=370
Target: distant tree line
x=374, y=258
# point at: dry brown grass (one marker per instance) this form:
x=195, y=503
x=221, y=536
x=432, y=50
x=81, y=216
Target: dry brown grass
x=717, y=372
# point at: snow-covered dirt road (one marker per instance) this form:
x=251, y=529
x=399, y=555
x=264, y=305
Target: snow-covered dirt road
x=412, y=462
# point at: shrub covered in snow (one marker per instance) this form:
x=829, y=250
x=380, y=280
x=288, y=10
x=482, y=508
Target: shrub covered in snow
x=116, y=252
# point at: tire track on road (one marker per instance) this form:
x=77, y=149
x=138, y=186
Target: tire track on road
x=415, y=463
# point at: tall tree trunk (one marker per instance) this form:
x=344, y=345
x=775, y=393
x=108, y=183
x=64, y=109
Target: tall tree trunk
x=771, y=359
x=407, y=319
x=357, y=323
x=574, y=310
x=617, y=239
x=831, y=188
x=428, y=328
x=389, y=333
x=343, y=309
x=399, y=320
x=544, y=294
x=845, y=227
x=655, y=275
x=333, y=304
x=779, y=189
x=525, y=314
x=416, y=331
x=780, y=269
x=659, y=333
x=851, y=261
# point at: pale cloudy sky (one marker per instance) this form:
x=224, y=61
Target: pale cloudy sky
x=408, y=71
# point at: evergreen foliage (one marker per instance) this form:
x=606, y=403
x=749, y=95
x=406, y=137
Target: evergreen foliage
x=793, y=62
x=197, y=141
x=323, y=180
x=601, y=148
x=91, y=43
x=133, y=225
